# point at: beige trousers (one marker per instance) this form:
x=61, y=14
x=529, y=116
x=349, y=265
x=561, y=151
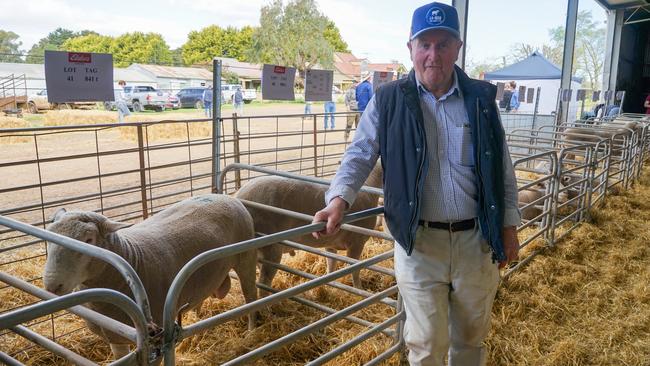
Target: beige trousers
x=448, y=286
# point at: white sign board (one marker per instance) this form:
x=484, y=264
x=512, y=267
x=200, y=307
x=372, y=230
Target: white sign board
x=318, y=85
x=277, y=82
x=381, y=77
x=78, y=76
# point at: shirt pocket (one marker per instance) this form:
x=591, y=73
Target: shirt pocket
x=463, y=149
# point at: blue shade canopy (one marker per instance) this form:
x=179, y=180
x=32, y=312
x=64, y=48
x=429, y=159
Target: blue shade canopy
x=533, y=67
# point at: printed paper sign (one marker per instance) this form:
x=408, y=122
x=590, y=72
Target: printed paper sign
x=277, y=82
x=595, y=96
x=530, y=94
x=318, y=85
x=500, y=88
x=78, y=76
x=381, y=77
x=522, y=93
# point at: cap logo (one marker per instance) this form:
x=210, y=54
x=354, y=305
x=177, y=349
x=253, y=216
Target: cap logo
x=435, y=16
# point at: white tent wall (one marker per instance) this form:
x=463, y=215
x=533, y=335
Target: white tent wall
x=548, y=94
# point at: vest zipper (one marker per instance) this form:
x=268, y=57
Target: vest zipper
x=417, y=190
x=478, y=168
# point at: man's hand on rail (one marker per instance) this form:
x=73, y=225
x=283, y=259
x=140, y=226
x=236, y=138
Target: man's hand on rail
x=332, y=215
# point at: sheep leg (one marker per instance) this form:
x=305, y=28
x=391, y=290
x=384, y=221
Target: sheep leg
x=119, y=350
x=331, y=262
x=354, y=252
x=273, y=254
x=245, y=269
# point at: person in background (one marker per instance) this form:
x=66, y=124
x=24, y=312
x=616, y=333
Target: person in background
x=646, y=104
x=238, y=102
x=514, y=100
x=363, y=91
x=207, y=101
x=450, y=192
x=121, y=102
x=352, y=107
x=330, y=108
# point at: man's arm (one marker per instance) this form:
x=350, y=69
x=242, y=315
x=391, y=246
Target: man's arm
x=512, y=215
x=359, y=159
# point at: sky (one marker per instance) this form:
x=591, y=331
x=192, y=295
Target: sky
x=376, y=29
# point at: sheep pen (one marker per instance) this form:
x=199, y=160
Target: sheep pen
x=585, y=301
x=531, y=322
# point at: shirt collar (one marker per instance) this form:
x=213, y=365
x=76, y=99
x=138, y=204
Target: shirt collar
x=454, y=90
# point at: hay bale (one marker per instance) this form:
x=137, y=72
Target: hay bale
x=13, y=122
x=166, y=130
x=74, y=117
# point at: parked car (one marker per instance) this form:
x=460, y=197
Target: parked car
x=173, y=102
x=141, y=97
x=228, y=92
x=191, y=97
x=38, y=101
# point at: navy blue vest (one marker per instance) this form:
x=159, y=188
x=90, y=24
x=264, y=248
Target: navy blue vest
x=403, y=150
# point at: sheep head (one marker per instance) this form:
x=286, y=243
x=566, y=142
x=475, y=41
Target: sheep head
x=66, y=269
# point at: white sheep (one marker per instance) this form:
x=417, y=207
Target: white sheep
x=157, y=249
x=307, y=198
x=538, y=190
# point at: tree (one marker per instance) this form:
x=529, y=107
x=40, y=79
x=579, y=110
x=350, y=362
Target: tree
x=88, y=43
x=148, y=48
x=177, y=57
x=292, y=35
x=213, y=41
x=520, y=51
x=588, y=58
x=476, y=68
x=334, y=38
x=53, y=42
x=9, y=45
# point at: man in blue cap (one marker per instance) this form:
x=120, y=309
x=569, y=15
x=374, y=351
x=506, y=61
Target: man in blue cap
x=450, y=192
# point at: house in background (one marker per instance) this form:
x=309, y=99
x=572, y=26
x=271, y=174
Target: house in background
x=394, y=66
x=532, y=72
x=250, y=75
x=174, y=78
x=348, y=68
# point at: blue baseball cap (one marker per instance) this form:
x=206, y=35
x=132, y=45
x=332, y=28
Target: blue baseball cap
x=435, y=16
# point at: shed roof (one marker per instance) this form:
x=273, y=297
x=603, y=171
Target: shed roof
x=245, y=70
x=175, y=71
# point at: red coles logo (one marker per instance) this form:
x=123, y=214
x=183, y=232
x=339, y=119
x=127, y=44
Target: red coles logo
x=79, y=57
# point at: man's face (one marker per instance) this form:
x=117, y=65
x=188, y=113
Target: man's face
x=433, y=54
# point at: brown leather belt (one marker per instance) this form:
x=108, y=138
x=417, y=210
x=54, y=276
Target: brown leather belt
x=450, y=226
